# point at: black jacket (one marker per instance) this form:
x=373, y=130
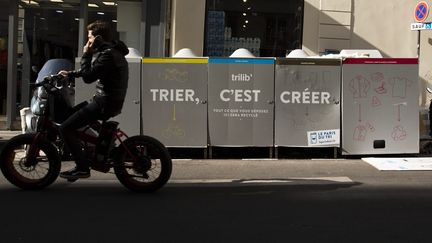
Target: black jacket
x=110, y=69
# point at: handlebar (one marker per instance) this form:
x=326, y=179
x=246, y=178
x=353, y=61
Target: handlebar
x=50, y=80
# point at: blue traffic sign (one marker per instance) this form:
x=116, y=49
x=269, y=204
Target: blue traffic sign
x=421, y=11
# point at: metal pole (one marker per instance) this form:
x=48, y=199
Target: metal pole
x=156, y=27
x=418, y=44
x=162, y=27
x=83, y=20
x=12, y=64
x=143, y=33
x=26, y=72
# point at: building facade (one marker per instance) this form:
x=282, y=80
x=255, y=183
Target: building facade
x=33, y=31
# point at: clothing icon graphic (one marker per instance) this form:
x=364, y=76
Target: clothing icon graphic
x=381, y=89
x=361, y=131
x=399, y=133
x=359, y=86
x=400, y=87
x=376, y=101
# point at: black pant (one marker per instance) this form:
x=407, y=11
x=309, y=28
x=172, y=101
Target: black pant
x=81, y=118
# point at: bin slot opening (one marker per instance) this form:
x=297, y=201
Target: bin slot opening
x=379, y=144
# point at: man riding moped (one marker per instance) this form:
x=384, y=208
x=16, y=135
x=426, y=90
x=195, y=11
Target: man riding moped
x=109, y=69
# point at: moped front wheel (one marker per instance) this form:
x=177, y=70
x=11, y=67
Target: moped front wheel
x=29, y=164
x=143, y=164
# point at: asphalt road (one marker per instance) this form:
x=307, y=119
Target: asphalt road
x=229, y=201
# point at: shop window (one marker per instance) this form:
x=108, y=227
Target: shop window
x=267, y=28
x=105, y=11
x=50, y=31
x=123, y=16
x=3, y=54
x=46, y=30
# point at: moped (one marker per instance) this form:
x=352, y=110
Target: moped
x=33, y=160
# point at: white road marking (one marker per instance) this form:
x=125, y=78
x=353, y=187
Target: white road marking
x=236, y=182
x=288, y=181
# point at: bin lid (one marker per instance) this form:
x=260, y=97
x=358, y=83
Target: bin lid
x=361, y=53
x=133, y=53
x=297, y=53
x=185, y=52
x=242, y=53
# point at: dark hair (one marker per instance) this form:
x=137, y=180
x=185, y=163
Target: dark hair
x=101, y=28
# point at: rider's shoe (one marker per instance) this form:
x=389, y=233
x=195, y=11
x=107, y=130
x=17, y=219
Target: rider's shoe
x=75, y=173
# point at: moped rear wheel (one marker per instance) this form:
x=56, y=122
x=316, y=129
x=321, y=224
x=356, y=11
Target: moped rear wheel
x=28, y=164
x=143, y=164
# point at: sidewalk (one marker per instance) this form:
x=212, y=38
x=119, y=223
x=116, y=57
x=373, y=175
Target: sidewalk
x=16, y=125
x=7, y=134
x=265, y=171
x=218, y=152
x=246, y=154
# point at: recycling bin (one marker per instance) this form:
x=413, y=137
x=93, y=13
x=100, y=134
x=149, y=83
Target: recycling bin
x=174, y=96
x=307, y=96
x=380, y=106
x=241, y=102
